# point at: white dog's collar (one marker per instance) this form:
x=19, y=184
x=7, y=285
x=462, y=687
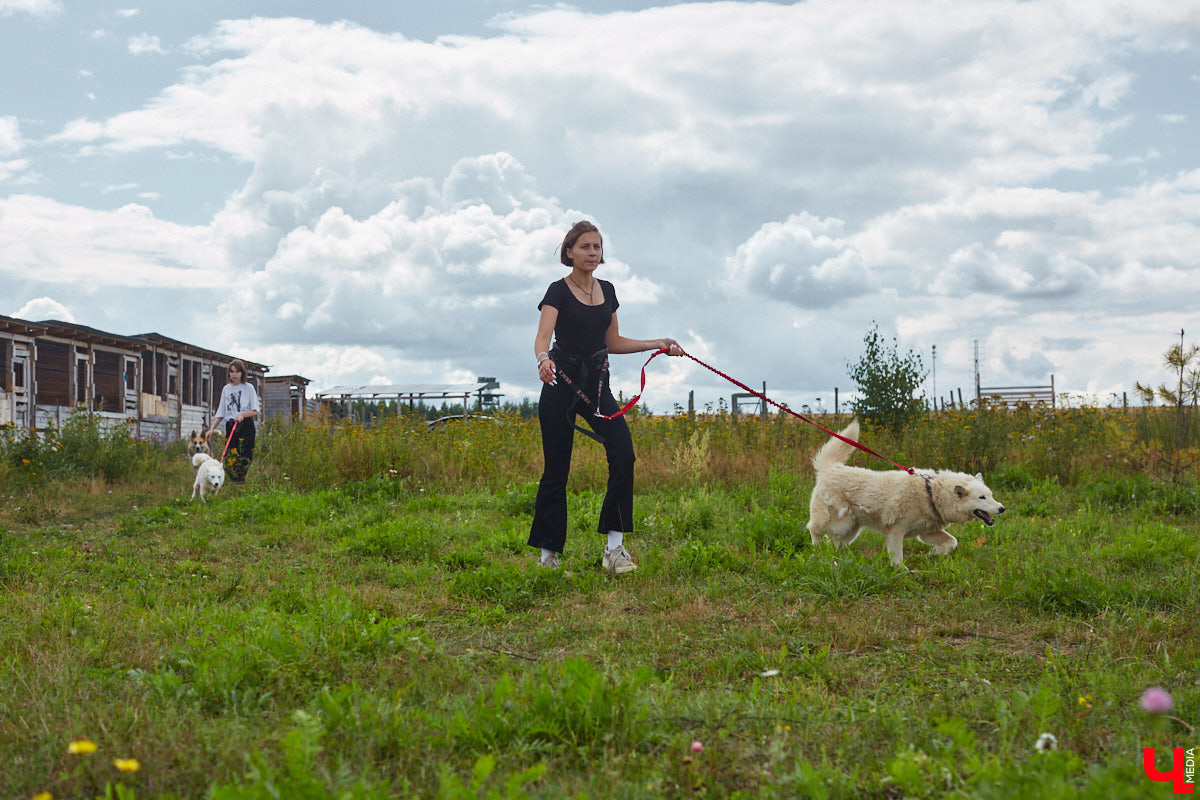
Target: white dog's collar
x=932, y=503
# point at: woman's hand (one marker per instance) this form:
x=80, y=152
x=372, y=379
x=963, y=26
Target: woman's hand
x=546, y=371
x=670, y=345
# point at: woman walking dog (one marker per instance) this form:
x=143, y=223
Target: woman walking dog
x=239, y=407
x=580, y=312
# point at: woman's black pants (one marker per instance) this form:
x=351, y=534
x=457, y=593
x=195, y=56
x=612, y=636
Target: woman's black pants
x=557, y=412
x=240, y=451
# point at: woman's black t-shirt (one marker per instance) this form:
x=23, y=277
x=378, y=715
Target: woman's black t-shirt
x=580, y=328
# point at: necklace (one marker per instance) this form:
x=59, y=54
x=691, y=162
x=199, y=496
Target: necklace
x=591, y=302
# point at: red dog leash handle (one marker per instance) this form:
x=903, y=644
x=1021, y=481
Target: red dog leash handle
x=638, y=396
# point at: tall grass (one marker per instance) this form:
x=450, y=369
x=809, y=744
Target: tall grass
x=1066, y=445
x=84, y=446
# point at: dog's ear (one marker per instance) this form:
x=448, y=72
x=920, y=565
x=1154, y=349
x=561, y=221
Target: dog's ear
x=960, y=491
x=979, y=477
x=193, y=434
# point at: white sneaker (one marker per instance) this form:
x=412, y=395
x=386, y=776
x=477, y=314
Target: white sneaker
x=550, y=562
x=618, y=561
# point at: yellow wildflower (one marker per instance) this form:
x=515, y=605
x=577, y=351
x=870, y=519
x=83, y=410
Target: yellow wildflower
x=127, y=764
x=82, y=747
x=43, y=796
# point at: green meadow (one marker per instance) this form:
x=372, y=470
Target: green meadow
x=363, y=619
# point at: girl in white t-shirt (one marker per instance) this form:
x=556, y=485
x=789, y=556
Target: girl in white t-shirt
x=239, y=404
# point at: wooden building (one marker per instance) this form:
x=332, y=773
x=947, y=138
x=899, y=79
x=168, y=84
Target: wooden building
x=165, y=388
x=286, y=397
x=17, y=338
x=181, y=385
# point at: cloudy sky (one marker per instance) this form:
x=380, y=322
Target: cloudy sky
x=374, y=190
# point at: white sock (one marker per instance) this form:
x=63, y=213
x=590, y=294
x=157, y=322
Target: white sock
x=547, y=553
x=615, y=539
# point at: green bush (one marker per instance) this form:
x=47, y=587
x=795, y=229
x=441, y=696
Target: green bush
x=85, y=446
x=889, y=384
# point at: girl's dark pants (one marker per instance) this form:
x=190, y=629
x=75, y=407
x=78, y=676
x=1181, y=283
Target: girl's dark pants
x=557, y=413
x=240, y=452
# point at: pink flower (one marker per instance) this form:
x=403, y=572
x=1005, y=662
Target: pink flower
x=697, y=747
x=1157, y=701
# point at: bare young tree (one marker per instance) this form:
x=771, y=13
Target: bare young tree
x=1184, y=362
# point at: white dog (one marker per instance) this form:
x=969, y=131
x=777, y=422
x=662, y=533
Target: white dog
x=210, y=475
x=897, y=504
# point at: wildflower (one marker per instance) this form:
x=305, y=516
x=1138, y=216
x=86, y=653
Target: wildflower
x=81, y=747
x=697, y=747
x=43, y=796
x=1157, y=701
x=1045, y=743
x=127, y=764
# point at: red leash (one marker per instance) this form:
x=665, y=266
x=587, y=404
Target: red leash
x=760, y=396
x=229, y=439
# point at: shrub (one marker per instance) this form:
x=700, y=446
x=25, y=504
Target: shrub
x=85, y=446
x=888, y=383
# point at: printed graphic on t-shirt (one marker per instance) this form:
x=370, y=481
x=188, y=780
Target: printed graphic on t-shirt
x=237, y=400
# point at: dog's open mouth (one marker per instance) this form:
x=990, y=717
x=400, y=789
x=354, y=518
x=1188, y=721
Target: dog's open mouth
x=986, y=517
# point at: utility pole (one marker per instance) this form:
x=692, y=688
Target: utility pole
x=977, y=398
x=935, y=377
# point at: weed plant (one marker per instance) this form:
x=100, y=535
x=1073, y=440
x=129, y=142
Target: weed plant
x=363, y=619
x=84, y=446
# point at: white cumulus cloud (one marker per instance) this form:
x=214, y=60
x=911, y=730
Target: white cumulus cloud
x=126, y=247
x=145, y=43
x=34, y=8
x=10, y=136
x=766, y=175
x=805, y=261
x=42, y=308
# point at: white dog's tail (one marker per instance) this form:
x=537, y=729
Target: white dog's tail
x=835, y=451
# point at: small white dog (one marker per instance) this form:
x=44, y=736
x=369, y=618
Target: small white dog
x=210, y=476
x=898, y=505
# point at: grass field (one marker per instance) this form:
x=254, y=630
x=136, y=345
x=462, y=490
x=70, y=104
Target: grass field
x=363, y=619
